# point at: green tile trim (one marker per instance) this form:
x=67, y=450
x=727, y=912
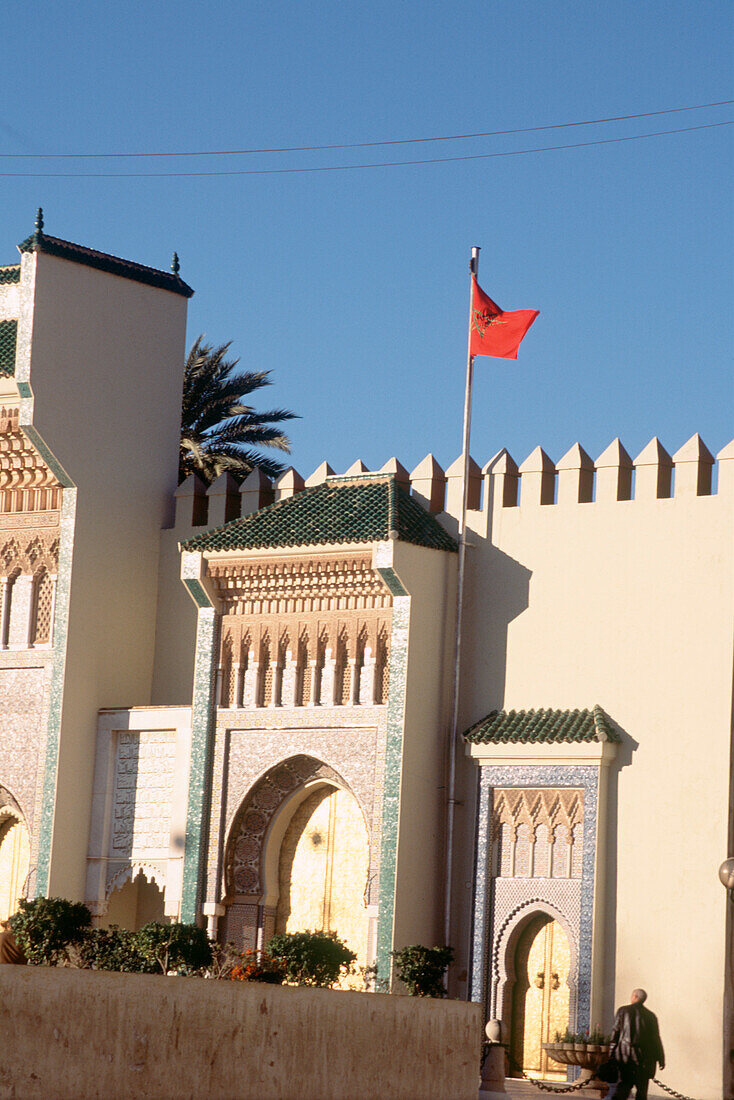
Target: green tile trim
x=203, y=717
x=39, y=443
x=538, y=727
x=8, y=344
x=392, y=774
x=56, y=692
x=9, y=275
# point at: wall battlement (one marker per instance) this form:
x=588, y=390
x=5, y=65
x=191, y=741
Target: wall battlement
x=692, y=471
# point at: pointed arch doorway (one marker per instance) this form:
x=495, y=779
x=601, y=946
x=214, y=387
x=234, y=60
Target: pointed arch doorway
x=322, y=869
x=14, y=862
x=540, y=1003
x=298, y=858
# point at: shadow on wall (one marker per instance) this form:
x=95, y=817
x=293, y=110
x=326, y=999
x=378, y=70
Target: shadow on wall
x=500, y=587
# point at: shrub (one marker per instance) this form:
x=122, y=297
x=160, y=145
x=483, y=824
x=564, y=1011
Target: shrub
x=113, y=949
x=312, y=958
x=259, y=966
x=181, y=947
x=46, y=927
x=421, y=969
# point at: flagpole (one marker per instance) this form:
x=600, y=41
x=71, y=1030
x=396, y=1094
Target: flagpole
x=451, y=801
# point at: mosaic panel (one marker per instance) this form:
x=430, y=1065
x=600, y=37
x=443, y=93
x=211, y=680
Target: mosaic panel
x=573, y=898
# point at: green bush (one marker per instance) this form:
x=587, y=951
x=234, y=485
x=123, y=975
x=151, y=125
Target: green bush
x=312, y=958
x=421, y=969
x=113, y=949
x=180, y=947
x=46, y=927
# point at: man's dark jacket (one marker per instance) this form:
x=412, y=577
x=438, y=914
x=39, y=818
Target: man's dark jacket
x=636, y=1039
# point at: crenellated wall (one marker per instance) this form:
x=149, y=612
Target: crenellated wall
x=575, y=479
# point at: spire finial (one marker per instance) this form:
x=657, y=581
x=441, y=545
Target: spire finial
x=39, y=221
x=175, y=265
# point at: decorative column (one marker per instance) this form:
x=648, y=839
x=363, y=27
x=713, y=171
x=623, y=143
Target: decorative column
x=20, y=613
x=238, y=677
x=4, y=612
x=289, y=680
x=252, y=672
x=353, y=684
x=367, y=679
x=53, y=577
x=328, y=679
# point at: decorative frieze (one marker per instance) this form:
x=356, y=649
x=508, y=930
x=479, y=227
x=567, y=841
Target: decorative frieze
x=144, y=773
x=302, y=631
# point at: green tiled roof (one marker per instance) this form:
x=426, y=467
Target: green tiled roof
x=8, y=340
x=542, y=727
x=366, y=508
x=127, y=269
x=10, y=274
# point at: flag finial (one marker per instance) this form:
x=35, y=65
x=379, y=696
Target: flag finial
x=175, y=265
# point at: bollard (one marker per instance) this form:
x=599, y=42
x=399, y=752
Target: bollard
x=493, y=1069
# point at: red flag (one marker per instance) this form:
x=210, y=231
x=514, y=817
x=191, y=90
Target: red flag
x=492, y=331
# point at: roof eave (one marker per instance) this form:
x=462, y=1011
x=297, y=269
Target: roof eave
x=600, y=753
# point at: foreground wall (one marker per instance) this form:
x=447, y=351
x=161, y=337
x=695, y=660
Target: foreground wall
x=82, y=1034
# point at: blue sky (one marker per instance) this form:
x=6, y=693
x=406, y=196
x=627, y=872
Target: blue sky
x=352, y=285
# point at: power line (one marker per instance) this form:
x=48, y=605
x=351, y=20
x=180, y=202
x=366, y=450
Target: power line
x=355, y=167
x=364, y=144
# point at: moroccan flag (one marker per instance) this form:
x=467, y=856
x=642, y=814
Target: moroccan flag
x=492, y=331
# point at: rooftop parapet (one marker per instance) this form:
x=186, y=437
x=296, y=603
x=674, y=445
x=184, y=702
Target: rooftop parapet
x=653, y=472
x=694, y=464
x=454, y=486
x=428, y=484
x=575, y=479
x=614, y=473
x=537, y=479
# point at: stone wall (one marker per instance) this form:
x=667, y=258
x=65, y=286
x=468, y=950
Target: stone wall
x=84, y=1034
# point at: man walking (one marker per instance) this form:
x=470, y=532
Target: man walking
x=636, y=1048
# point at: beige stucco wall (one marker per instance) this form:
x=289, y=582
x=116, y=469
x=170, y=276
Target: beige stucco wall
x=629, y=604
x=79, y=1035
x=104, y=359
x=429, y=576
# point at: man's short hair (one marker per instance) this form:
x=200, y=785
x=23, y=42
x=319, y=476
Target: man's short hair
x=639, y=995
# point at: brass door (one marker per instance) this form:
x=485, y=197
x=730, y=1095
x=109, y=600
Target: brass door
x=540, y=1001
x=324, y=862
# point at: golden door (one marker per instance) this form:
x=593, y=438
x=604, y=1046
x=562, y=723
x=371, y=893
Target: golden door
x=324, y=860
x=540, y=1002
x=14, y=863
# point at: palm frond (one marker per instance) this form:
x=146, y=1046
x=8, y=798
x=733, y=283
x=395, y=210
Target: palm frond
x=220, y=430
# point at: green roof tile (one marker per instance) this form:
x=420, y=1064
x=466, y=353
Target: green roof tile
x=8, y=340
x=103, y=261
x=542, y=727
x=366, y=508
x=9, y=274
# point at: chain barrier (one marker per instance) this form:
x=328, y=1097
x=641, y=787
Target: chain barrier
x=671, y=1092
x=544, y=1087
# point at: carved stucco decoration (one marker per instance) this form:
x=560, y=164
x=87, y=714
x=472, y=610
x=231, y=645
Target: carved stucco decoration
x=535, y=806
x=31, y=554
x=243, y=870
x=22, y=468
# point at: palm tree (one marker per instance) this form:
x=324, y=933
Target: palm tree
x=219, y=431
